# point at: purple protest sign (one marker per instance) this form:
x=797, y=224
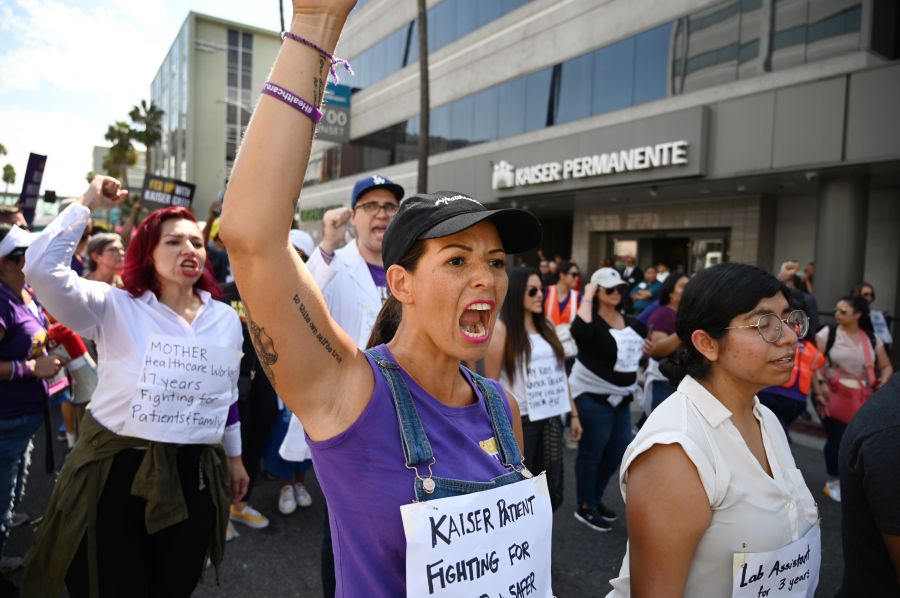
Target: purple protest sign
x=31, y=185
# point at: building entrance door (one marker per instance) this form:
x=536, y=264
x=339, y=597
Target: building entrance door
x=687, y=250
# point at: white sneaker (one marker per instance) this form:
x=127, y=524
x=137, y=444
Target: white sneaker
x=287, y=503
x=8, y=564
x=302, y=496
x=832, y=490
x=230, y=532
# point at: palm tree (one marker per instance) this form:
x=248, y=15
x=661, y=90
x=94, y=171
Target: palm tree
x=149, y=118
x=9, y=176
x=424, y=99
x=122, y=153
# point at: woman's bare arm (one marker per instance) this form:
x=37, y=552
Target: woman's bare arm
x=315, y=366
x=666, y=506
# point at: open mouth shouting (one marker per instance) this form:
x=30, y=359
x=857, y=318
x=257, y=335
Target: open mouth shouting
x=474, y=323
x=190, y=267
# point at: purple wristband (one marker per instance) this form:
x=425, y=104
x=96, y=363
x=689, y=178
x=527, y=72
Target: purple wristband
x=334, y=61
x=293, y=100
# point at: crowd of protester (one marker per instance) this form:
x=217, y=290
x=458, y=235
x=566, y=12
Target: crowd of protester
x=718, y=365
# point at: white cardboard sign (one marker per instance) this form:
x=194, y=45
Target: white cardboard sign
x=546, y=389
x=789, y=571
x=491, y=544
x=184, y=391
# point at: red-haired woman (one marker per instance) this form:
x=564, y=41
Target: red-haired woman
x=144, y=495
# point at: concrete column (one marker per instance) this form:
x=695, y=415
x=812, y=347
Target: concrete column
x=840, y=237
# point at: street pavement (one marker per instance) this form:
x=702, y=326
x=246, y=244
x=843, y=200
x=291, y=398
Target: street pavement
x=283, y=559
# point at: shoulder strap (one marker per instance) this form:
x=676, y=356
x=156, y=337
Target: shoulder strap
x=416, y=448
x=870, y=359
x=509, y=448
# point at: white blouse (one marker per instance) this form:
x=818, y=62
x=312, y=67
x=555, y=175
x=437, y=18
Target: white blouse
x=751, y=512
x=120, y=324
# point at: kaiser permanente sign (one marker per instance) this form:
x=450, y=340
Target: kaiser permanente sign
x=646, y=157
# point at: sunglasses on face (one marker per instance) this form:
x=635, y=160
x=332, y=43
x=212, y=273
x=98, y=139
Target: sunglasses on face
x=868, y=294
x=533, y=291
x=574, y=274
x=612, y=290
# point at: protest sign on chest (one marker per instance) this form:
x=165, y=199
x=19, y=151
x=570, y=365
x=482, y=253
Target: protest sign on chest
x=792, y=570
x=184, y=391
x=546, y=388
x=491, y=544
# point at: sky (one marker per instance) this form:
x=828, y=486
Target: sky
x=69, y=69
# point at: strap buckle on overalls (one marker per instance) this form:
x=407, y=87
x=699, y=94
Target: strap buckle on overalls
x=428, y=484
x=526, y=473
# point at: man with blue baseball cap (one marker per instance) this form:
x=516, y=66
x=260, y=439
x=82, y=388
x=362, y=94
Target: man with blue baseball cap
x=354, y=284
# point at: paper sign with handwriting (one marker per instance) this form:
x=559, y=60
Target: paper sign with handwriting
x=546, y=388
x=789, y=571
x=491, y=544
x=184, y=391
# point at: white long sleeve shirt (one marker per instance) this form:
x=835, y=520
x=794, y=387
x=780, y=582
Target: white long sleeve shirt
x=120, y=324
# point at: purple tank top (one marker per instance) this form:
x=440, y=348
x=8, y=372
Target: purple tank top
x=365, y=480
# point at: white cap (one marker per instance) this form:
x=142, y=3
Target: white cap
x=16, y=238
x=608, y=278
x=302, y=241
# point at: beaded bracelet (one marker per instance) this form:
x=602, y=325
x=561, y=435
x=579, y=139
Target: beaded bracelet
x=293, y=100
x=334, y=61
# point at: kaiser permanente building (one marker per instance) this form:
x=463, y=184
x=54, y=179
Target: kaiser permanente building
x=688, y=132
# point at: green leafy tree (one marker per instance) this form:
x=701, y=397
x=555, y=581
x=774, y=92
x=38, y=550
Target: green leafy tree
x=9, y=176
x=148, y=120
x=90, y=176
x=2, y=150
x=122, y=153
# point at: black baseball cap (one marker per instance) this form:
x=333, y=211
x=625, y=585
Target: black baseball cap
x=445, y=213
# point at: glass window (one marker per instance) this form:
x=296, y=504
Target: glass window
x=537, y=99
x=575, y=87
x=651, y=57
x=394, y=45
x=232, y=78
x=443, y=17
x=247, y=41
x=511, y=119
x=440, y=128
x=413, y=54
x=613, y=79
x=466, y=16
x=461, y=122
x=488, y=11
x=231, y=114
x=485, y=107
x=246, y=81
x=789, y=37
x=233, y=57
x=232, y=38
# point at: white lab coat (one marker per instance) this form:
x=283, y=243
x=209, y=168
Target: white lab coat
x=353, y=301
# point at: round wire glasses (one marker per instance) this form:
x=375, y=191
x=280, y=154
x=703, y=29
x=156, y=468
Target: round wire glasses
x=770, y=326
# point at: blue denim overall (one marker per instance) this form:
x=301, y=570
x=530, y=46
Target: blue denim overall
x=417, y=449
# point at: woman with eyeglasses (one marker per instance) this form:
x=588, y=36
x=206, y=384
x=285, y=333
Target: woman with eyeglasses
x=603, y=379
x=106, y=259
x=857, y=364
x=710, y=478
x=25, y=368
x=528, y=359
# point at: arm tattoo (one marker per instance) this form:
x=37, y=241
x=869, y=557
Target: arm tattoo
x=264, y=345
x=319, y=83
x=323, y=340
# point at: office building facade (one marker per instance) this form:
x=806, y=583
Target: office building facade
x=687, y=132
x=207, y=86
